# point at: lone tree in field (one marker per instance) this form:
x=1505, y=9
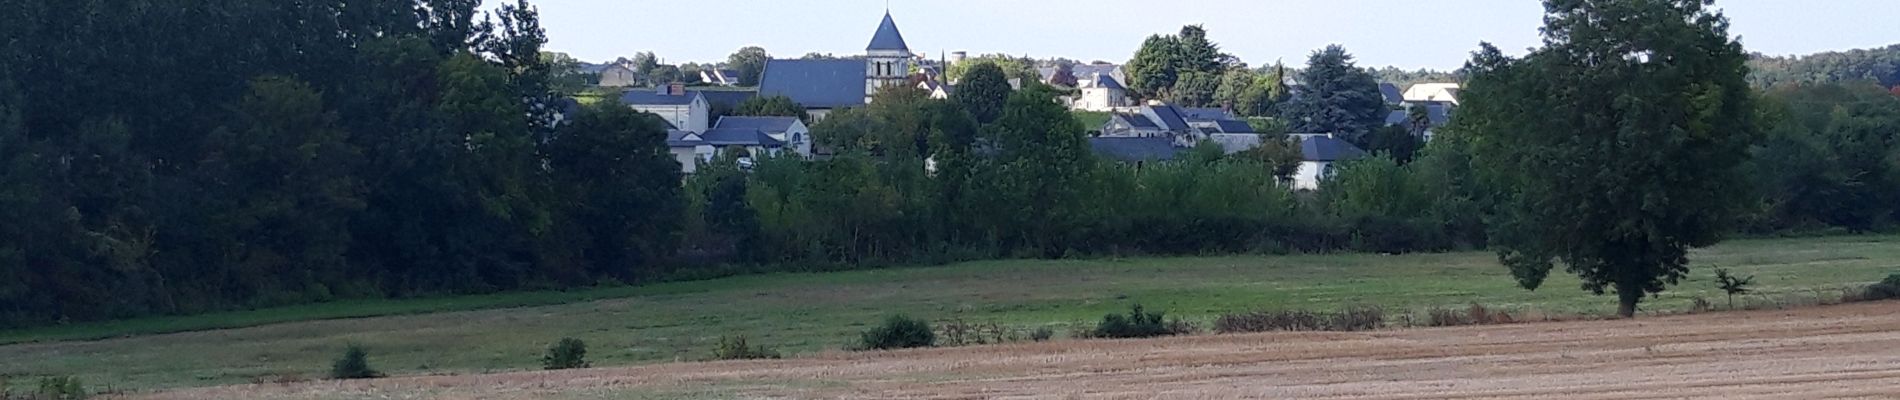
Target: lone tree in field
x=1614, y=147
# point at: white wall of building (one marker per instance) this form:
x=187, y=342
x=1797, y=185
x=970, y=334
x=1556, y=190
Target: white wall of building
x=692, y=117
x=1310, y=173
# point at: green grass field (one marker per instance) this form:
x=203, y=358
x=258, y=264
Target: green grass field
x=803, y=313
x=1092, y=120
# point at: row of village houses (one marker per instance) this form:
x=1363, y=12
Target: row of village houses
x=1135, y=132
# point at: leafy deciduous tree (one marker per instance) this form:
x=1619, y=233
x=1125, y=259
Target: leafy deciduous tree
x=750, y=63
x=1615, y=145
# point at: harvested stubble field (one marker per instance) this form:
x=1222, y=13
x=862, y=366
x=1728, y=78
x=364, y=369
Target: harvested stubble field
x=1850, y=351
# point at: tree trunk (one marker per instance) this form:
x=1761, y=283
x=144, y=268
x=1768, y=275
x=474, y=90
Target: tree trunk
x=1628, y=299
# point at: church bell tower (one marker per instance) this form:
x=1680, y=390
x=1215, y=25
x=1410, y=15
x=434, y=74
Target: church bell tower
x=887, y=59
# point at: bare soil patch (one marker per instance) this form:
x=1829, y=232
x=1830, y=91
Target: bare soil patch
x=1850, y=351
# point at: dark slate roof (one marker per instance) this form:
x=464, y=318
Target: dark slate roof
x=1170, y=118
x=1205, y=114
x=730, y=98
x=739, y=137
x=1398, y=117
x=1136, y=121
x=1327, y=148
x=1134, y=148
x=1082, y=70
x=1232, y=126
x=644, y=97
x=887, y=37
x=815, y=83
x=679, y=138
x=763, y=124
x=1439, y=113
x=1103, y=80
x=1392, y=93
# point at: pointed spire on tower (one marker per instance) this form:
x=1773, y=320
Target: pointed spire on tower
x=888, y=37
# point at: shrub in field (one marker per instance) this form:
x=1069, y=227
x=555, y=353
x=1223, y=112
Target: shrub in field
x=569, y=353
x=1042, y=334
x=1267, y=321
x=1138, y=324
x=61, y=388
x=958, y=332
x=1358, y=318
x=353, y=365
x=899, y=332
x=1476, y=314
x=1732, y=285
x=736, y=348
x=1887, y=289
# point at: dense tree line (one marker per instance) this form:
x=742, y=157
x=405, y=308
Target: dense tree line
x=1880, y=65
x=183, y=156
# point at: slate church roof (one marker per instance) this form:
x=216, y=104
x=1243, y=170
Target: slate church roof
x=887, y=37
x=815, y=83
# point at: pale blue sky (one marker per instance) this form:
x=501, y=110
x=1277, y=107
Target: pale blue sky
x=1406, y=33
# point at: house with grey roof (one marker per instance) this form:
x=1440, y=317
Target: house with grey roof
x=1391, y=93
x=790, y=131
x=1132, y=125
x=1099, y=93
x=1319, y=153
x=826, y=85
x=721, y=77
x=1083, y=72
x=618, y=75
x=1433, y=92
x=685, y=110
x=1431, y=116
x=1187, y=126
x=692, y=148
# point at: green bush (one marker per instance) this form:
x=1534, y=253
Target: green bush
x=899, y=332
x=1137, y=324
x=736, y=348
x=353, y=365
x=1887, y=289
x=1042, y=334
x=1355, y=318
x=60, y=388
x=570, y=353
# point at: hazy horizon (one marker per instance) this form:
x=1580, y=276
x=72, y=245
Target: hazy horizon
x=1403, y=33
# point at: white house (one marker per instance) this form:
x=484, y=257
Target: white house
x=1433, y=92
x=617, y=75
x=1084, y=71
x=1100, y=92
x=937, y=89
x=691, y=148
x=686, y=111
x=721, y=77
x=1319, y=152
